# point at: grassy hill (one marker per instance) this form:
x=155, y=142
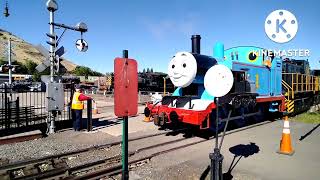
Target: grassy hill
x=23, y=51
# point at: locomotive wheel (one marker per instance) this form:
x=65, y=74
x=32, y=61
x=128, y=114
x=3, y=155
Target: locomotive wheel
x=236, y=102
x=156, y=120
x=162, y=119
x=174, y=120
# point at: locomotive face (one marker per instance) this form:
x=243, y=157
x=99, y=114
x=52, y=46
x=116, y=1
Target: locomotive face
x=182, y=69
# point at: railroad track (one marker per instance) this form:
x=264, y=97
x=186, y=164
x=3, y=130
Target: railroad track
x=47, y=163
x=55, y=168
x=84, y=171
x=116, y=169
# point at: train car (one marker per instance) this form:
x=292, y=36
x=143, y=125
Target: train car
x=300, y=85
x=256, y=90
x=154, y=81
x=296, y=66
x=315, y=72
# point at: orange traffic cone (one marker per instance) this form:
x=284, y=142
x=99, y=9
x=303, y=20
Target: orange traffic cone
x=147, y=119
x=285, y=143
x=95, y=109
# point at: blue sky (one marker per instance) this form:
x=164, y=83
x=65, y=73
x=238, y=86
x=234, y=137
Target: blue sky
x=153, y=31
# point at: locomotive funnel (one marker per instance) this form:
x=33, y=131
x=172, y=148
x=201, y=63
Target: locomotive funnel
x=195, y=39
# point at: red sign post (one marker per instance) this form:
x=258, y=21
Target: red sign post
x=125, y=99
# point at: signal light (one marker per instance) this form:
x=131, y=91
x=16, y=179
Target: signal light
x=4, y=68
x=57, y=63
x=6, y=12
x=52, y=43
x=52, y=36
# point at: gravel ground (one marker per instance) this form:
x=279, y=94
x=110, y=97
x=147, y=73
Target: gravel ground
x=53, y=144
x=185, y=170
x=68, y=140
x=92, y=156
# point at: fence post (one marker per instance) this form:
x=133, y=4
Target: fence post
x=70, y=101
x=6, y=106
x=89, y=115
x=17, y=112
x=9, y=113
x=26, y=114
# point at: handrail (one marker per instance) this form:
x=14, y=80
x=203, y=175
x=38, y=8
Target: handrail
x=287, y=86
x=302, y=82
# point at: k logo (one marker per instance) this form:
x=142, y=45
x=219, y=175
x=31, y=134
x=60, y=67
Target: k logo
x=281, y=26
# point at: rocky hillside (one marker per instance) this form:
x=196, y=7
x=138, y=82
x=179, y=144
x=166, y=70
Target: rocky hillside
x=23, y=51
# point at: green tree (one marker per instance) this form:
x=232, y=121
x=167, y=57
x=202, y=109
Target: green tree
x=30, y=66
x=82, y=71
x=2, y=61
x=85, y=71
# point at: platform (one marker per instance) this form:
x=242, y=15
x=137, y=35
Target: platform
x=112, y=125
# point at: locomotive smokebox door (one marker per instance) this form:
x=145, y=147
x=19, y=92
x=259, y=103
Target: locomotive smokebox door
x=55, y=97
x=125, y=87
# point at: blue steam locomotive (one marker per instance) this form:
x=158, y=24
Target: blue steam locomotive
x=260, y=88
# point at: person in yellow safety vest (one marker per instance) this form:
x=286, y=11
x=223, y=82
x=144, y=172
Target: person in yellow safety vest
x=77, y=106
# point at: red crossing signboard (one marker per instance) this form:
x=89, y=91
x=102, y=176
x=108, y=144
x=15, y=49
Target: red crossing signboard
x=125, y=87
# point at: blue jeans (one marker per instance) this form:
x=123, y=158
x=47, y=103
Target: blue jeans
x=78, y=120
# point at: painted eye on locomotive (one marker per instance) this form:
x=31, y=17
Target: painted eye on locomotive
x=252, y=56
x=182, y=69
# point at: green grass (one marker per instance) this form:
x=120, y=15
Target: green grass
x=312, y=118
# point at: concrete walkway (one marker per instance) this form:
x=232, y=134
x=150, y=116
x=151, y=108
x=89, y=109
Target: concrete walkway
x=262, y=162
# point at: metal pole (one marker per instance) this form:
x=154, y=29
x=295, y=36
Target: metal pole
x=52, y=48
x=164, y=86
x=89, y=115
x=52, y=56
x=9, y=61
x=215, y=157
x=217, y=119
x=125, y=169
x=216, y=150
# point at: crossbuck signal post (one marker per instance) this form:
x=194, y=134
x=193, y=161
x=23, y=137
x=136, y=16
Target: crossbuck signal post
x=55, y=92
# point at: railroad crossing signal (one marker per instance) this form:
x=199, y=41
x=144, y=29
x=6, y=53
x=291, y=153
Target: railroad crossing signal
x=53, y=60
x=7, y=67
x=46, y=63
